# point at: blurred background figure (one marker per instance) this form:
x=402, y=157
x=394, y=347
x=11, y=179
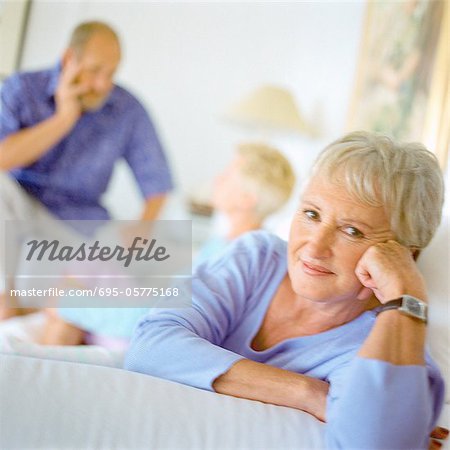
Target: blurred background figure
x=257, y=183
x=63, y=129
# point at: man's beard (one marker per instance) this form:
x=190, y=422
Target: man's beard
x=92, y=102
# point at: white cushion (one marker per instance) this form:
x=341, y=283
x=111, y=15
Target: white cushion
x=52, y=404
x=435, y=266
x=55, y=405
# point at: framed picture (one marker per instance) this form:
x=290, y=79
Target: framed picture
x=396, y=66
x=13, y=18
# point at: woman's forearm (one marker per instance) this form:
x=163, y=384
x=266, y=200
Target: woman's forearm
x=397, y=339
x=268, y=384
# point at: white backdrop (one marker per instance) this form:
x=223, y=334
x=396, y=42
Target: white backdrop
x=188, y=62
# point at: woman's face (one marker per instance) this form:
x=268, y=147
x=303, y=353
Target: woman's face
x=329, y=234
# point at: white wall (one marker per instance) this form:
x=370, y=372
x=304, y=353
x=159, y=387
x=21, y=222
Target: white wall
x=188, y=62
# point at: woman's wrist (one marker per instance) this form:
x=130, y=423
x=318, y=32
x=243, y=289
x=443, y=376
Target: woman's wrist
x=312, y=396
x=396, y=338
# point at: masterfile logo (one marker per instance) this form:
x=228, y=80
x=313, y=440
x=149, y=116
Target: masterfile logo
x=53, y=251
x=99, y=263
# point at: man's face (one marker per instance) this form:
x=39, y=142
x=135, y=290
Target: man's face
x=98, y=61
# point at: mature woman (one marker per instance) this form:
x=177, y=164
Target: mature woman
x=282, y=323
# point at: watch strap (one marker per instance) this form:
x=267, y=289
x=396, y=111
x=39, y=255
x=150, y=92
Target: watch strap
x=403, y=305
x=392, y=304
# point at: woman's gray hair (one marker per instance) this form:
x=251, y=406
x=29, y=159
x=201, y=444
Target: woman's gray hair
x=404, y=178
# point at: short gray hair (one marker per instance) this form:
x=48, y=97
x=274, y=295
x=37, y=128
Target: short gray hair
x=84, y=31
x=266, y=173
x=404, y=178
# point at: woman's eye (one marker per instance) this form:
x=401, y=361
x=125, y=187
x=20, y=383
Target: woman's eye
x=353, y=232
x=313, y=215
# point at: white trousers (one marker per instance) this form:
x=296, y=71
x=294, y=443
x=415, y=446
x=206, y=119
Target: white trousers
x=16, y=204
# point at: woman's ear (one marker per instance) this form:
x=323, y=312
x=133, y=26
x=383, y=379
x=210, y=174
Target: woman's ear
x=415, y=253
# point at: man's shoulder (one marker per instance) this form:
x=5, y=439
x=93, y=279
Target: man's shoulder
x=123, y=97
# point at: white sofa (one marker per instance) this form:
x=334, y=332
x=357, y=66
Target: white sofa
x=46, y=403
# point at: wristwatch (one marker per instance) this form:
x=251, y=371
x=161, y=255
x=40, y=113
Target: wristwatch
x=408, y=305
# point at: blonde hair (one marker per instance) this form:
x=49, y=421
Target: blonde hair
x=266, y=173
x=84, y=31
x=404, y=178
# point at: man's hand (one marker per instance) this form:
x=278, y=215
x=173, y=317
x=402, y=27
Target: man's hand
x=389, y=271
x=68, y=92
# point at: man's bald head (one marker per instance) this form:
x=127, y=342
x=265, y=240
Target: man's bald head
x=86, y=30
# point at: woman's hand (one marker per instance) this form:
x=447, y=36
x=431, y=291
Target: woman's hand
x=389, y=271
x=438, y=434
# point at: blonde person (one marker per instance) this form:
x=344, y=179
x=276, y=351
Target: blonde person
x=256, y=184
x=333, y=321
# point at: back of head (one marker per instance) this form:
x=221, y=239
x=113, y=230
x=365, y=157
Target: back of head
x=266, y=173
x=84, y=31
x=404, y=178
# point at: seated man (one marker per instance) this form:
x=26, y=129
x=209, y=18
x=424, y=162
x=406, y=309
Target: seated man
x=61, y=132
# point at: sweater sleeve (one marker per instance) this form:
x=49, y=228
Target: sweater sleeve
x=184, y=344
x=373, y=404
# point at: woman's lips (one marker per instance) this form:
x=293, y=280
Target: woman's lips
x=312, y=269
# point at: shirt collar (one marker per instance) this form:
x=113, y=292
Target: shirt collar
x=55, y=73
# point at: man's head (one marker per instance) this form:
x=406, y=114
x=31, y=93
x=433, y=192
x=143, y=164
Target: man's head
x=259, y=180
x=95, y=48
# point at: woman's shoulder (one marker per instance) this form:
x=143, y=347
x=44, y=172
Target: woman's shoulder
x=262, y=242
x=252, y=252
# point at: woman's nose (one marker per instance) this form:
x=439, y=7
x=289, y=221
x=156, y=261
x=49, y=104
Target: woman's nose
x=320, y=242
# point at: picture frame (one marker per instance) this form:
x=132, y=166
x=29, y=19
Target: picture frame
x=396, y=68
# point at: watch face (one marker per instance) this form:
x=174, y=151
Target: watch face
x=414, y=307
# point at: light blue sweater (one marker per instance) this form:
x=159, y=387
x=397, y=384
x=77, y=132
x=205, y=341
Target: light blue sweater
x=371, y=404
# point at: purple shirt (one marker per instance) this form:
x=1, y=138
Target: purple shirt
x=72, y=176
x=371, y=404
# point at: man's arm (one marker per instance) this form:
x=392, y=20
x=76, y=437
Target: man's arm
x=153, y=206
x=268, y=384
x=28, y=145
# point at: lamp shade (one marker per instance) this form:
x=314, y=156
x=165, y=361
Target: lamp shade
x=269, y=107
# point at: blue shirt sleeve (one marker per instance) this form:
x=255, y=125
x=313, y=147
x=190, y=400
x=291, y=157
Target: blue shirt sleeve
x=376, y=405
x=145, y=156
x=10, y=107
x=183, y=344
